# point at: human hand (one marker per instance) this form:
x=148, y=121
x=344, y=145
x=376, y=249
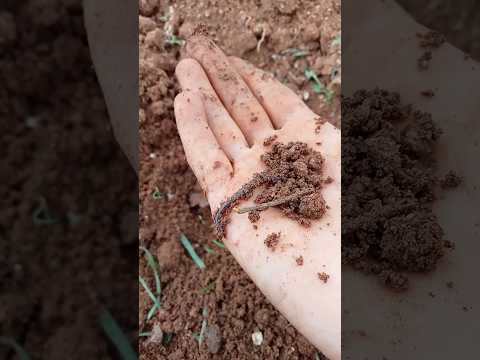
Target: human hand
x=225, y=112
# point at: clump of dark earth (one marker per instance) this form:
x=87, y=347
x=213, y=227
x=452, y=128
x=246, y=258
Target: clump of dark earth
x=388, y=182
x=291, y=169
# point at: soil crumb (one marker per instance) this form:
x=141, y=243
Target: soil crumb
x=272, y=241
x=427, y=93
x=323, y=276
x=388, y=227
x=431, y=40
x=451, y=180
x=299, y=261
x=270, y=140
x=424, y=60
x=254, y=216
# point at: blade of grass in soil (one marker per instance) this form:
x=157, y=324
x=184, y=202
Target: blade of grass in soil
x=191, y=251
x=117, y=336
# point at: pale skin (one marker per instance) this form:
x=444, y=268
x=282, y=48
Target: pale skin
x=223, y=146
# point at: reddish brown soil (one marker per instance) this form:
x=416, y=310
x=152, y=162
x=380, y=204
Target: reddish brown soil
x=57, y=145
x=235, y=307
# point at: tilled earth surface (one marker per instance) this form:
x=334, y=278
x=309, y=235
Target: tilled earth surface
x=285, y=38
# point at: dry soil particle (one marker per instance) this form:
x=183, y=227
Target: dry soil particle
x=299, y=261
x=431, y=39
x=270, y=140
x=292, y=182
x=272, y=241
x=323, y=276
x=451, y=180
x=387, y=187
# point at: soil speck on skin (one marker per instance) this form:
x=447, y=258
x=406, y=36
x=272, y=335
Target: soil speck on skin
x=254, y=216
x=428, y=93
x=270, y=140
x=272, y=241
x=323, y=276
x=451, y=180
x=388, y=227
x=424, y=60
x=299, y=261
x=431, y=40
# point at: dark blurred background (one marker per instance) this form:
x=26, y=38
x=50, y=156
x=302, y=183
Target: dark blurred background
x=458, y=20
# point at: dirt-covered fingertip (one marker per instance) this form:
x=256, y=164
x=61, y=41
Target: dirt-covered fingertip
x=184, y=68
x=185, y=101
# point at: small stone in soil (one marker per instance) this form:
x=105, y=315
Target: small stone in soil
x=213, y=339
x=257, y=338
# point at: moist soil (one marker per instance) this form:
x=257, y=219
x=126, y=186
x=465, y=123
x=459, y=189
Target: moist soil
x=65, y=188
x=388, y=188
x=291, y=182
x=290, y=38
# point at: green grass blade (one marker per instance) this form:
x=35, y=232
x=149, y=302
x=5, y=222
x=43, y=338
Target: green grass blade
x=153, y=265
x=156, y=302
x=208, y=288
x=209, y=250
x=22, y=354
x=117, y=337
x=218, y=243
x=191, y=251
x=201, y=336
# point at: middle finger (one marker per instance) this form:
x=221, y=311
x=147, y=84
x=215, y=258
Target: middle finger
x=232, y=89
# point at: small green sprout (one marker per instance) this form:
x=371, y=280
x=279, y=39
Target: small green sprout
x=209, y=250
x=155, y=268
x=175, y=40
x=157, y=194
x=191, y=251
x=201, y=336
x=318, y=86
x=208, y=288
x=337, y=41
x=22, y=354
x=218, y=243
x=117, y=336
x=42, y=214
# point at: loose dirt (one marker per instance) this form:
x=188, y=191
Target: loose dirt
x=290, y=38
x=388, y=188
